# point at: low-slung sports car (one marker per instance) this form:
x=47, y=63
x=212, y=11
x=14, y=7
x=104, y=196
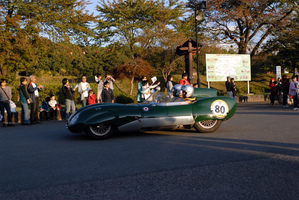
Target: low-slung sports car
x=205, y=112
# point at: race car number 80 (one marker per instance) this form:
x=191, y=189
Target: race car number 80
x=219, y=108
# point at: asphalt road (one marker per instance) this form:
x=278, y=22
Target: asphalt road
x=254, y=155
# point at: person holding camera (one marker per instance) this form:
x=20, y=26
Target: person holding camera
x=33, y=91
x=110, y=80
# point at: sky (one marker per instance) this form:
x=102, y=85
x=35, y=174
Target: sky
x=92, y=7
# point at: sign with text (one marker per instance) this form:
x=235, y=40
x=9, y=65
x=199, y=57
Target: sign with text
x=219, y=66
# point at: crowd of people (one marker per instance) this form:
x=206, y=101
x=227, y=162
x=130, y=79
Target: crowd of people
x=282, y=88
x=285, y=88
x=49, y=109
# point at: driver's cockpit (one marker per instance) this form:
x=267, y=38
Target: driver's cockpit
x=159, y=97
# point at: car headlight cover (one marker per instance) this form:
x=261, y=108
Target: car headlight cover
x=74, y=119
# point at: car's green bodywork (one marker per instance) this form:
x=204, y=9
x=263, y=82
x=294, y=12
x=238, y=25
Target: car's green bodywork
x=151, y=114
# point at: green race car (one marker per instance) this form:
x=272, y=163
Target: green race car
x=204, y=111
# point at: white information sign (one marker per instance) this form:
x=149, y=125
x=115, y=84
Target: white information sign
x=219, y=66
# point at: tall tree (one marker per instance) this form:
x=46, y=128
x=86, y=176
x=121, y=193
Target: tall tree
x=284, y=47
x=247, y=23
x=158, y=46
x=127, y=20
x=133, y=23
x=22, y=22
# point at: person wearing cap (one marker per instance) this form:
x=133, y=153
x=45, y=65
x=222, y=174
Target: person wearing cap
x=272, y=90
x=229, y=88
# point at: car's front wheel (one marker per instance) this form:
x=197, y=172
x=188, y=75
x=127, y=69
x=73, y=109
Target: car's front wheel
x=207, y=126
x=100, y=131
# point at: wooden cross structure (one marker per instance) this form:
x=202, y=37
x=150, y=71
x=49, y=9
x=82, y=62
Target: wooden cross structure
x=188, y=49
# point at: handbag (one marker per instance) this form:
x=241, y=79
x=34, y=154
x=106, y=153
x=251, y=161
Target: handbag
x=30, y=100
x=12, y=106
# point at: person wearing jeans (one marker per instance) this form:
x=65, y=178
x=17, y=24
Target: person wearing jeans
x=24, y=101
x=69, y=98
x=229, y=88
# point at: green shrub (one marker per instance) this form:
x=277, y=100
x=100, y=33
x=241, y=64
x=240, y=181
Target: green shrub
x=123, y=99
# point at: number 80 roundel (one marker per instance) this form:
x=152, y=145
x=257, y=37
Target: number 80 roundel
x=219, y=108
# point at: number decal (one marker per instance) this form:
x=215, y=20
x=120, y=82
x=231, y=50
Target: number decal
x=219, y=108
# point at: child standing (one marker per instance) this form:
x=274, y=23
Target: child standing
x=91, y=98
x=107, y=93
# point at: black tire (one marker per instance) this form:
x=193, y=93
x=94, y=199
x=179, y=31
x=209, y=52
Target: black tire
x=207, y=126
x=100, y=131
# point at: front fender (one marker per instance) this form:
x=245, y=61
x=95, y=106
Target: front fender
x=114, y=115
x=202, y=109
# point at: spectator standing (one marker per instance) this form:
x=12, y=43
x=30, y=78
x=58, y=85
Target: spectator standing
x=184, y=80
x=169, y=85
x=285, y=90
x=24, y=101
x=91, y=98
x=100, y=84
x=273, y=90
x=296, y=73
x=67, y=92
x=53, y=111
x=229, y=87
x=139, y=89
x=293, y=92
x=110, y=80
x=107, y=93
x=83, y=89
x=5, y=98
x=279, y=86
x=234, y=87
x=33, y=90
x=44, y=109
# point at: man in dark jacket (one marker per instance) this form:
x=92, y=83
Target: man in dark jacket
x=33, y=91
x=229, y=87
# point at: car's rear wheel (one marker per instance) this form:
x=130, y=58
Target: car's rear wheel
x=100, y=131
x=207, y=126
